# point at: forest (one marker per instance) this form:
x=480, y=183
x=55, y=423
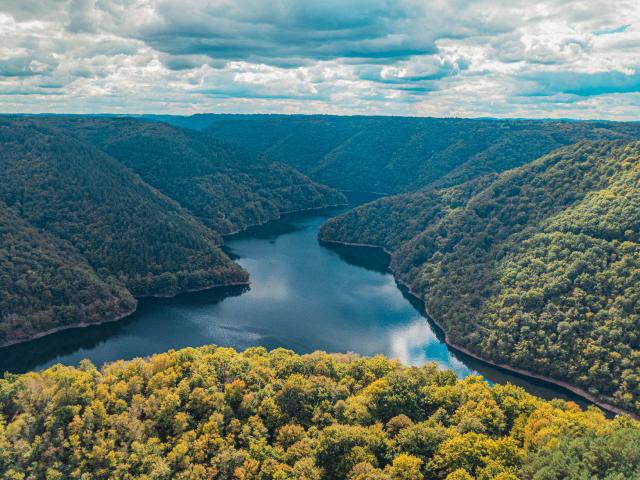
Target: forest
x=211, y=412
x=399, y=154
x=47, y=281
x=521, y=237
x=536, y=268
x=97, y=211
x=224, y=186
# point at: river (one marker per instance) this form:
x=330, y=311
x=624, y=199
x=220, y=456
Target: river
x=303, y=296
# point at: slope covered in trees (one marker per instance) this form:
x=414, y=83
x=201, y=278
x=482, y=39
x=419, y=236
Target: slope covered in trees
x=214, y=413
x=400, y=154
x=106, y=199
x=224, y=186
x=46, y=284
x=122, y=226
x=538, y=268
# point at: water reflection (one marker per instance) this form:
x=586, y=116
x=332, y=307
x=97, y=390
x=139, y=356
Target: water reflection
x=369, y=258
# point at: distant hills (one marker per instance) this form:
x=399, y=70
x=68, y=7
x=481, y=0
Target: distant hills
x=399, y=154
x=96, y=211
x=537, y=268
x=225, y=186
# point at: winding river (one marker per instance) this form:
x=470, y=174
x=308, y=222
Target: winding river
x=303, y=296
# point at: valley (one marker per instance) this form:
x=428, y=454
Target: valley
x=303, y=296
x=123, y=238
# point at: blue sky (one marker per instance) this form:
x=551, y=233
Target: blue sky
x=502, y=58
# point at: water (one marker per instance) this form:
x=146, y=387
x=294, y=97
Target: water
x=303, y=296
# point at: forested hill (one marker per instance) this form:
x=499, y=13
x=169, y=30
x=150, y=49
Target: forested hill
x=400, y=154
x=213, y=413
x=537, y=268
x=226, y=187
x=46, y=284
x=83, y=232
x=122, y=226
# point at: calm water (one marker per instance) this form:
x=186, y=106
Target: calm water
x=303, y=296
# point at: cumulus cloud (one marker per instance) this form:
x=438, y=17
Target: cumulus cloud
x=413, y=57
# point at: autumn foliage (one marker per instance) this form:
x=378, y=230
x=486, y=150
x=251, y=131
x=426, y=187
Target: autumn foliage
x=214, y=413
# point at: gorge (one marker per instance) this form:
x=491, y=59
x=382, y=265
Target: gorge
x=303, y=296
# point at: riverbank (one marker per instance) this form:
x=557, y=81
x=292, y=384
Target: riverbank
x=281, y=215
x=130, y=312
x=62, y=328
x=195, y=290
x=459, y=348
x=123, y=316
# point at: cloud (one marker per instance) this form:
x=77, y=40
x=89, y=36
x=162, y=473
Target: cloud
x=412, y=57
x=83, y=17
x=584, y=84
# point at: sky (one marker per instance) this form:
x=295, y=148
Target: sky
x=443, y=58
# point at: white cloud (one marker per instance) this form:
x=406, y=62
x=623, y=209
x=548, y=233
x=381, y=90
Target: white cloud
x=555, y=58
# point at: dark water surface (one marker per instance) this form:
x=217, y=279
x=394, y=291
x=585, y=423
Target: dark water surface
x=303, y=296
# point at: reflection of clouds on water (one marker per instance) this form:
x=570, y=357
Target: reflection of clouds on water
x=233, y=335
x=416, y=344
x=408, y=342
x=275, y=289
x=460, y=368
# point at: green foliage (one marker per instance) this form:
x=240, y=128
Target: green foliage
x=123, y=227
x=614, y=456
x=537, y=268
x=400, y=154
x=213, y=413
x=408, y=213
x=46, y=284
x=224, y=186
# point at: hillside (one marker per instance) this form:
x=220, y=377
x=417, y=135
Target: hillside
x=116, y=208
x=214, y=413
x=537, y=269
x=46, y=284
x=123, y=227
x=400, y=154
x=224, y=186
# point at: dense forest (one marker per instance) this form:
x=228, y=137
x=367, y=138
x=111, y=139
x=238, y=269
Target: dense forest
x=121, y=225
x=399, y=154
x=98, y=211
x=226, y=187
x=537, y=268
x=214, y=413
x=46, y=283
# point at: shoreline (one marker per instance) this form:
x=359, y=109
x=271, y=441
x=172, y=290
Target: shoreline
x=120, y=317
x=125, y=315
x=381, y=194
x=280, y=217
x=195, y=290
x=458, y=348
x=51, y=331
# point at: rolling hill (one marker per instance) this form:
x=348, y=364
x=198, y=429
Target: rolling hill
x=536, y=268
x=400, y=154
x=224, y=186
